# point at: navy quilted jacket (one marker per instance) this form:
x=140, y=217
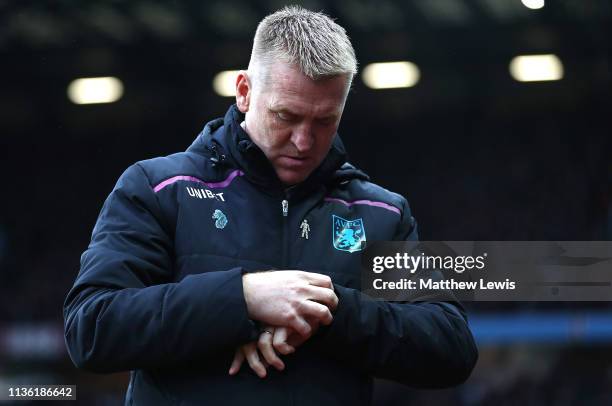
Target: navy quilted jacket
x=159, y=292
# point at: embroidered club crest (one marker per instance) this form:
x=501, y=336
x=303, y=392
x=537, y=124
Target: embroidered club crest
x=348, y=235
x=220, y=219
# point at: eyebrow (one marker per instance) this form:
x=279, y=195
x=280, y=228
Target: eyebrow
x=282, y=109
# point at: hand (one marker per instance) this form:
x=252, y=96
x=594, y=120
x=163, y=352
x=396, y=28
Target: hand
x=287, y=298
x=283, y=340
x=254, y=358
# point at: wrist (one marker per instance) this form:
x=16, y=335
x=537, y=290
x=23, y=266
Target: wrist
x=246, y=291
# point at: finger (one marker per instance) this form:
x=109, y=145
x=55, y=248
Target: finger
x=295, y=340
x=252, y=357
x=265, y=348
x=318, y=279
x=237, y=362
x=314, y=324
x=323, y=295
x=317, y=311
x=297, y=323
x=279, y=341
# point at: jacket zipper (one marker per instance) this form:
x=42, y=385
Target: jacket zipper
x=285, y=242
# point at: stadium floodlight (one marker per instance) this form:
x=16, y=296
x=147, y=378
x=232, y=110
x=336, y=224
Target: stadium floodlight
x=533, y=4
x=536, y=68
x=95, y=90
x=389, y=75
x=224, y=83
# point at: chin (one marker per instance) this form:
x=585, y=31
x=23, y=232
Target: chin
x=292, y=177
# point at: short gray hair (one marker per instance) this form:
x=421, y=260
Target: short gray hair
x=310, y=40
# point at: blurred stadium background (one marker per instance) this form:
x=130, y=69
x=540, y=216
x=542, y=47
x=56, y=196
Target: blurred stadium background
x=480, y=154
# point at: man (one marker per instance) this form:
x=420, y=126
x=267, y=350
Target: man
x=198, y=263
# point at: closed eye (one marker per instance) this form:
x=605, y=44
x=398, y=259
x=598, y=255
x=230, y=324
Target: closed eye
x=285, y=116
x=327, y=120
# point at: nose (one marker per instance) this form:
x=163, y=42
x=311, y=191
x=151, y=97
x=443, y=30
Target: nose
x=303, y=138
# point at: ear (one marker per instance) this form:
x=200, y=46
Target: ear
x=243, y=91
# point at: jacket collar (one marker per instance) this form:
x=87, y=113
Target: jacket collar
x=224, y=142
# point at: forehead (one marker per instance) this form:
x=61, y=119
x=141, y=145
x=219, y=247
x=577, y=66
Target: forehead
x=288, y=88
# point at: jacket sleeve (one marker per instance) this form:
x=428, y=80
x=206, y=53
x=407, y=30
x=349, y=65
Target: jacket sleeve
x=123, y=311
x=421, y=344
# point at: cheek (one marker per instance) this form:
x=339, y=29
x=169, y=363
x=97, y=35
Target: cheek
x=322, y=145
x=275, y=138
x=327, y=136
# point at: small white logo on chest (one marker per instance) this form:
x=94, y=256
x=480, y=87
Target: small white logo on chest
x=305, y=228
x=200, y=193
